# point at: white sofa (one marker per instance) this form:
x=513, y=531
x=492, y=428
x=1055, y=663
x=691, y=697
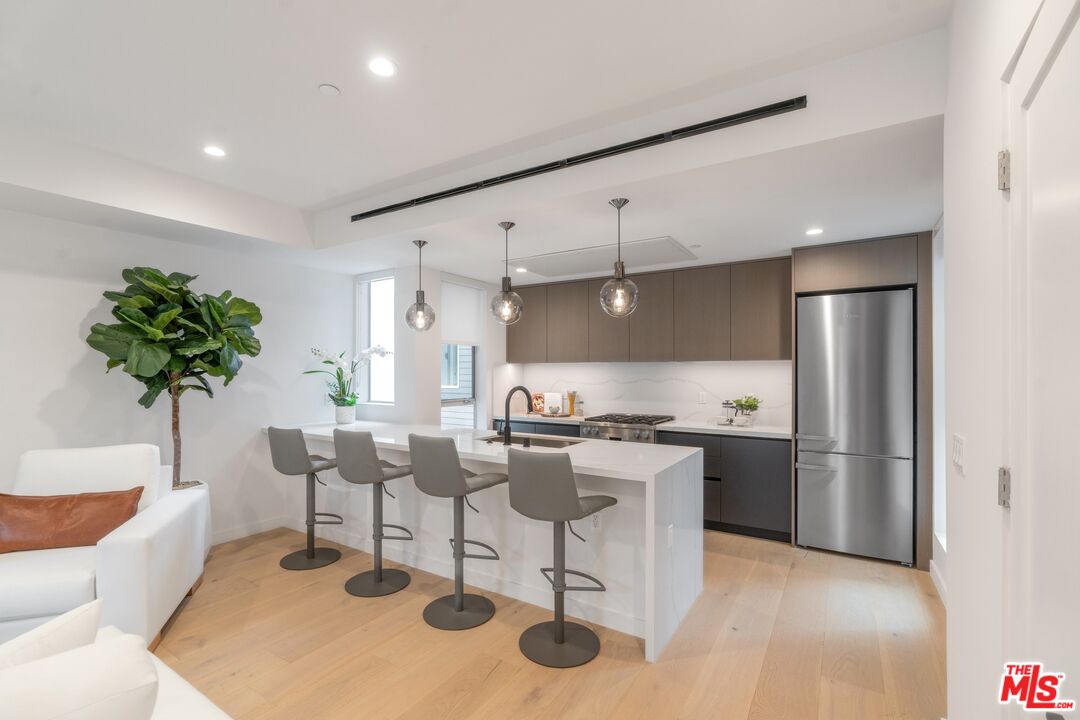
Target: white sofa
x=141, y=571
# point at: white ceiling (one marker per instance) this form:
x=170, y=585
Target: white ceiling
x=155, y=82
x=873, y=183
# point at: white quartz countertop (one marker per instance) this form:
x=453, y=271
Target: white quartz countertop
x=703, y=427
x=641, y=462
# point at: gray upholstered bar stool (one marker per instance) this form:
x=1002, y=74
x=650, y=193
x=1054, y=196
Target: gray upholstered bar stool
x=290, y=456
x=437, y=471
x=542, y=487
x=358, y=462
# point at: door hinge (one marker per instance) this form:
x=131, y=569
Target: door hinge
x=1003, y=170
x=1004, y=486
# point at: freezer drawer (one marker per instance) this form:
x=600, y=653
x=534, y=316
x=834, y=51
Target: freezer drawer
x=857, y=505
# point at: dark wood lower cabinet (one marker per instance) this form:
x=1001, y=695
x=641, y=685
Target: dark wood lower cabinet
x=747, y=483
x=540, y=428
x=755, y=487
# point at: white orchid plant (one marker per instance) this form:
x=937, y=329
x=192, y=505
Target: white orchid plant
x=340, y=387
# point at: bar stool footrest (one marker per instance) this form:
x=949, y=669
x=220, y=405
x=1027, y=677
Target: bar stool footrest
x=548, y=575
x=336, y=519
x=407, y=536
x=471, y=556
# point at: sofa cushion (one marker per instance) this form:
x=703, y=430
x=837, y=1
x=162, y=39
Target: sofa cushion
x=95, y=469
x=39, y=522
x=114, y=679
x=73, y=629
x=40, y=583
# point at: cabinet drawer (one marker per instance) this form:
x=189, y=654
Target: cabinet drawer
x=557, y=429
x=515, y=426
x=709, y=443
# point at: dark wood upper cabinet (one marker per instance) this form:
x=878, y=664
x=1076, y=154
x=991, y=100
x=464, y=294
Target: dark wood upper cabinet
x=609, y=338
x=526, y=340
x=761, y=310
x=862, y=264
x=568, y=322
x=652, y=331
x=702, y=313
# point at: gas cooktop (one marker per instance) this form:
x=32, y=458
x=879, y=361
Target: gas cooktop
x=629, y=419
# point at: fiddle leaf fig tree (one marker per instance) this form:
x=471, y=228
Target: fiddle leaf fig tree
x=172, y=339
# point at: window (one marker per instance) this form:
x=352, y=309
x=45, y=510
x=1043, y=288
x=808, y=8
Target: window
x=450, y=379
x=377, y=328
x=458, y=399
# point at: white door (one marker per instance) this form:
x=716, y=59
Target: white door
x=1042, y=407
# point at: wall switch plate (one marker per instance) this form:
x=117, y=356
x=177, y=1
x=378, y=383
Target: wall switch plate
x=596, y=521
x=670, y=536
x=701, y=398
x=958, y=453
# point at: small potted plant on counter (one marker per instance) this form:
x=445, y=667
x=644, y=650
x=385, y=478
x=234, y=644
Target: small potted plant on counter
x=745, y=407
x=340, y=388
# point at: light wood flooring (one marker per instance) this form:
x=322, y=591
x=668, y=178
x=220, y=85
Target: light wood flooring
x=778, y=633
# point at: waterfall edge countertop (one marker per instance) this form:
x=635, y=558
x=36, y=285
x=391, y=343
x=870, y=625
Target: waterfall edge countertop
x=703, y=427
x=641, y=462
x=648, y=549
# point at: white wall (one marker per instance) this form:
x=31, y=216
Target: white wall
x=417, y=356
x=662, y=388
x=983, y=34
x=938, y=556
x=56, y=394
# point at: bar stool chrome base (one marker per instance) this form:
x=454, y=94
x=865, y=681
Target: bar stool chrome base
x=299, y=560
x=476, y=611
x=579, y=646
x=365, y=584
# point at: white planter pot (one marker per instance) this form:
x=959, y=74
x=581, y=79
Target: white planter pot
x=345, y=414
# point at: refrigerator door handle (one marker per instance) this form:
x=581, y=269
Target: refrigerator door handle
x=808, y=466
x=818, y=438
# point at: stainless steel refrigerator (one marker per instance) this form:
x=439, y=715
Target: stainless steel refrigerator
x=855, y=423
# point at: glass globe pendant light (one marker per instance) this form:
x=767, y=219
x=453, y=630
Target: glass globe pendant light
x=507, y=306
x=619, y=296
x=420, y=316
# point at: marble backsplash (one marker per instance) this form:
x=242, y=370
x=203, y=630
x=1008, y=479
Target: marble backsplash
x=672, y=388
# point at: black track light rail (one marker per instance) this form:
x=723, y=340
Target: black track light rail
x=727, y=121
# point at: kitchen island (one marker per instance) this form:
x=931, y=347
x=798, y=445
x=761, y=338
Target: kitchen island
x=647, y=549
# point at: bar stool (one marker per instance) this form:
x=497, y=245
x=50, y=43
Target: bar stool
x=358, y=463
x=437, y=471
x=542, y=487
x=290, y=457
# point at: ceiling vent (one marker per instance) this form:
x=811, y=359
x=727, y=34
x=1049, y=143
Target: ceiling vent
x=597, y=259
x=746, y=116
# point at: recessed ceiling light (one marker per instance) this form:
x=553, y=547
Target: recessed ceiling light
x=522, y=269
x=214, y=151
x=329, y=90
x=814, y=231
x=382, y=67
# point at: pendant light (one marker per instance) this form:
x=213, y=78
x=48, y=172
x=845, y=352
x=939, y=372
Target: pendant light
x=507, y=305
x=619, y=296
x=420, y=316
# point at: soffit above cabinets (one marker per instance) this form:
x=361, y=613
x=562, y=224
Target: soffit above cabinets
x=650, y=252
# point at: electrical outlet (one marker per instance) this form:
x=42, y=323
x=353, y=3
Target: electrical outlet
x=670, y=536
x=595, y=521
x=701, y=398
x=958, y=453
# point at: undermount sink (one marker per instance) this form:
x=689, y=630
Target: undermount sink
x=534, y=440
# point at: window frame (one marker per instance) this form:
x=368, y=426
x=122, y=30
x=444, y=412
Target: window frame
x=363, y=333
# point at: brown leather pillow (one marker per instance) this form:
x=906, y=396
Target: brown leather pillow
x=33, y=522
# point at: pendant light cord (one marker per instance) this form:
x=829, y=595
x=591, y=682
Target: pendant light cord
x=618, y=212
x=420, y=270
x=506, y=252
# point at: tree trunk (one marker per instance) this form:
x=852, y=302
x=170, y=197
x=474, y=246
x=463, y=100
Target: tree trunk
x=174, y=393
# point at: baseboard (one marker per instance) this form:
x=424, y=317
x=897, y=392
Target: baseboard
x=540, y=595
x=254, y=528
x=939, y=581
